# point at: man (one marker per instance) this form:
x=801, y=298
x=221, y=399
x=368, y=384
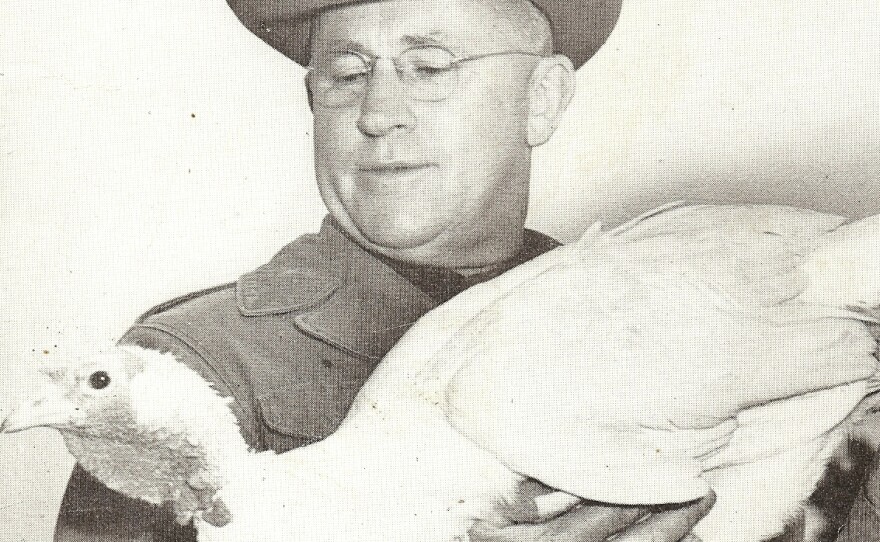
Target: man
x=425, y=114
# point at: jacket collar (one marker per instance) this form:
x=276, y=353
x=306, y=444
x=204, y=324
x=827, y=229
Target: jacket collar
x=338, y=292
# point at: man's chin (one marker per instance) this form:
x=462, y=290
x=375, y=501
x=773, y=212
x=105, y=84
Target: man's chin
x=388, y=241
x=396, y=239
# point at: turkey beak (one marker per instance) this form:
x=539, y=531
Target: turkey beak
x=50, y=409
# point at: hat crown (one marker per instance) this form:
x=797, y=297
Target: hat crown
x=580, y=27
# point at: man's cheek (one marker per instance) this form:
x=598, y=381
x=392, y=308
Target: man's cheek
x=335, y=152
x=336, y=128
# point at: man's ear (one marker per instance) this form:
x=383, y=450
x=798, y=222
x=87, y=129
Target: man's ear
x=551, y=89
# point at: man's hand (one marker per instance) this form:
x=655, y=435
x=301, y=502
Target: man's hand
x=592, y=522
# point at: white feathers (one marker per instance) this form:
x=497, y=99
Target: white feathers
x=695, y=347
x=845, y=268
x=623, y=367
x=168, y=399
x=169, y=396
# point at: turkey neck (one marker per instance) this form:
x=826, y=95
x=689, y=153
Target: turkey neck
x=400, y=478
x=155, y=465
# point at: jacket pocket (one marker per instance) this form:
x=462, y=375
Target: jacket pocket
x=279, y=424
x=304, y=402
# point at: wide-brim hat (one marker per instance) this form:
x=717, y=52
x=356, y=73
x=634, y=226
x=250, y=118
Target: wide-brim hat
x=579, y=27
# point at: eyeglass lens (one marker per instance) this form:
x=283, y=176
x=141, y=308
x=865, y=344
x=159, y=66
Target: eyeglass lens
x=340, y=79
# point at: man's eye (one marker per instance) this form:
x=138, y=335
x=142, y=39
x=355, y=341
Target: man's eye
x=349, y=78
x=431, y=71
x=348, y=69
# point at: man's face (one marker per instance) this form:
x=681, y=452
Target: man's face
x=435, y=182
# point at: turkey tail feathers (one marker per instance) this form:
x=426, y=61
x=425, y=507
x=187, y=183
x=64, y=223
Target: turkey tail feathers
x=844, y=270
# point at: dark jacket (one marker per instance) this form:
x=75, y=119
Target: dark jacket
x=292, y=342
x=863, y=522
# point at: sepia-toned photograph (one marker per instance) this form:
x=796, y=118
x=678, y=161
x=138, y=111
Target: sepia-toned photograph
x=440, y=271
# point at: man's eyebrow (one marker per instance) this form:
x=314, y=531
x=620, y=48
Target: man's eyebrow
x=409, y=40
x=420, y=40
x=344, y=45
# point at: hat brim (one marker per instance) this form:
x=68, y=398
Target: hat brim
x=580, y=27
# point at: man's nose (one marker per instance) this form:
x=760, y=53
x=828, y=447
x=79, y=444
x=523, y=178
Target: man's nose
x=386, y=104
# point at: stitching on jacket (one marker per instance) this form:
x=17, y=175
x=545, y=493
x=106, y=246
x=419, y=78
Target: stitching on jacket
x=171, y=303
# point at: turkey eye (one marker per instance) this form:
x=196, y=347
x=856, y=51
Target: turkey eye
x=99, y=380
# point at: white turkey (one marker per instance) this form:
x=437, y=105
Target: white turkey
x=695, y=347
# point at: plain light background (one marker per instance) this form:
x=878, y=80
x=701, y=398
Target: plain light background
x=153, y=147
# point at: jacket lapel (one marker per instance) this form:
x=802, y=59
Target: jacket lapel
x=341, y=294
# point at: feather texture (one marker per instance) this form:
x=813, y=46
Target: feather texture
x=694, y=347
x=645, y=364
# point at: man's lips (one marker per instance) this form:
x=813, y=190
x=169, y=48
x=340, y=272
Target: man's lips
x=391, y=177
x=391, y=167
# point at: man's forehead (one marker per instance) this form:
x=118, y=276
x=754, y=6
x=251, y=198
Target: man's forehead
x=456, y=24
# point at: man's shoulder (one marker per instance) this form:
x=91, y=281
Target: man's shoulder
x=297, y=276
x=207, y=300
x=292, y=340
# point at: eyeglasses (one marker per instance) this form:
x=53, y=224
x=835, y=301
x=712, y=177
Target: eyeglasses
x=429, y=73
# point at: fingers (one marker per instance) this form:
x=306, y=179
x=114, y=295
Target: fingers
x=535, y=503
x=524, y=508
x=595, y=522
x=553, y=504
x=591, y=523
x=671, y=525
x=531, y=488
